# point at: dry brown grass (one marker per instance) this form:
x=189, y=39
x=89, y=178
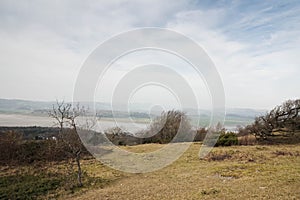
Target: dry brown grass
x=238, y=172
x=245, y=172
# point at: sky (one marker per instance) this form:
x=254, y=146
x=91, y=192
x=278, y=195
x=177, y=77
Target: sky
x=255, y=45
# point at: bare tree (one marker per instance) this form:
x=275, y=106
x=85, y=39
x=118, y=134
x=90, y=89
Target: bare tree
x=65, y=115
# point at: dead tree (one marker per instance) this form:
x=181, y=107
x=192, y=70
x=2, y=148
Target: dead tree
x=65, y=115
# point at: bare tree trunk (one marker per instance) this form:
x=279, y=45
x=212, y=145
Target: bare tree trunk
x=79, y=168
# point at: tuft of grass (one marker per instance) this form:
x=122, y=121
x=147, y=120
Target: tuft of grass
x=218, y=156
x=210, y=191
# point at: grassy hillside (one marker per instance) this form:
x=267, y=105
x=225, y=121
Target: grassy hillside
x=239, y=172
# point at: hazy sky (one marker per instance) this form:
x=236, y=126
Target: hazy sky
x=255, y=45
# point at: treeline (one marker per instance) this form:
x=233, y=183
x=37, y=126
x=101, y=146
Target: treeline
x=280, y=125
x=25, y=145
x=31, y=132
x=15, y=150
x=171, y=126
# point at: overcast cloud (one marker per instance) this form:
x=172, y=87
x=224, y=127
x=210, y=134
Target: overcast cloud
x=255, y=45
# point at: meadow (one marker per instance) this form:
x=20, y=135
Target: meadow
x=236, y=172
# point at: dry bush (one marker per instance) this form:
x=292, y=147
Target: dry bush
x=234, y=155
x=10, y=142
x=200, y=134
x=247, y=140
x=218, y=156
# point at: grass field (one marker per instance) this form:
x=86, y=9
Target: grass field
x=238, y=172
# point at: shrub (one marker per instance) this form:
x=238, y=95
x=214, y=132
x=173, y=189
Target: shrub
x=227, y=139
x=171, y=125
x=247, y=140
x=218, y=156
x=200, y=134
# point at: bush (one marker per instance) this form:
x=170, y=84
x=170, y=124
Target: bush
x=200, y=134
x=247, y=140
x=227, y=139
x=170, y=126
x=218, y=156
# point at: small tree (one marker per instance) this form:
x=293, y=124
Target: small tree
x=65, y=116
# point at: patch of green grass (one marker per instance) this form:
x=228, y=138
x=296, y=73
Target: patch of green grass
x=28, y=186
x=53, y=180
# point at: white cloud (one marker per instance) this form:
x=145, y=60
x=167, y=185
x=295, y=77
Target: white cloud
x=255, y=47
x=250, y=70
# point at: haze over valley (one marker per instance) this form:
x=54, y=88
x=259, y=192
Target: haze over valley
x=35, y=113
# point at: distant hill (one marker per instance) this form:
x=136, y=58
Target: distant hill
x=23, y=106
x=246, y=112
x=16, y=106
x=234, y=116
